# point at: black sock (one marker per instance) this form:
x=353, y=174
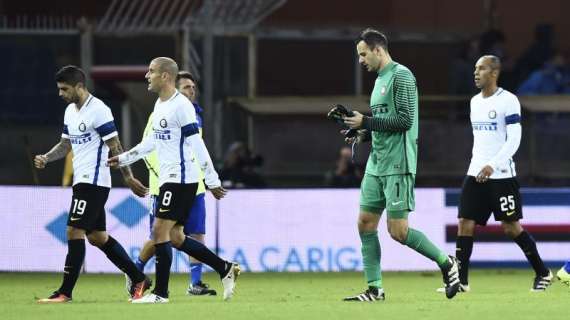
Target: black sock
x=163, y=255
x=73, y=263
x=199, y=251
x=464, y=247
x=528, y=246
x=120, y=258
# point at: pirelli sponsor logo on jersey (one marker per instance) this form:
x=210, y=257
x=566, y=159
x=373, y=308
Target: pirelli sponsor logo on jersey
x=162, y=134
x=80, y=138
x=485, y=126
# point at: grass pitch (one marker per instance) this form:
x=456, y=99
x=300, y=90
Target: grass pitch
x=496, y=294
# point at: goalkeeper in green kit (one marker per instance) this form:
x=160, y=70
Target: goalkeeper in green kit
x=389, y=179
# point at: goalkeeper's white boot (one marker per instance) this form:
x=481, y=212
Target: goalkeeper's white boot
x=450, y=275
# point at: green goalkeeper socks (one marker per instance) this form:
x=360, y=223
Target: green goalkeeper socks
x=420, y=243
x=371, y=258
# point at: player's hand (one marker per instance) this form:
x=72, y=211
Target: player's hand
x=40, y=161
x=218, y=192
x=354, y=122
x=113, y=162
x=484, y=174
x=136, y=186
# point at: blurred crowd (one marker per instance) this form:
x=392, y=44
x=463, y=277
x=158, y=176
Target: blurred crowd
x=240, y=168
x=540, y=70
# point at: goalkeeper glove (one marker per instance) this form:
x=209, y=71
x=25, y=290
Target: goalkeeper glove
x=337, y=112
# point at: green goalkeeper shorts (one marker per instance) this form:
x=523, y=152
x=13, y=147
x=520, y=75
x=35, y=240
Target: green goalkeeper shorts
x=394, y=193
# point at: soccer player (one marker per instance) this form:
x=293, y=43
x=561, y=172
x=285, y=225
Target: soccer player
x=564, y=273
x=175, y=138
x=196, y=224
x=389, y=178
x=490, y=185
x=90, y=132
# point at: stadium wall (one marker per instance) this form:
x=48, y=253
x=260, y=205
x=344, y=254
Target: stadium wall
x=277, y=230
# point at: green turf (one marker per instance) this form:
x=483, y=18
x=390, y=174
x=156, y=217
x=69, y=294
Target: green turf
x=495, y=295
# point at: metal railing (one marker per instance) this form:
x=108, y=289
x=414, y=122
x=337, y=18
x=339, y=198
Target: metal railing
x=39, y=24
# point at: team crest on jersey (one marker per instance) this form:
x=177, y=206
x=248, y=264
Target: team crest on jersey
x=82, y=127
x=492, y=114
x=383, y=90
x=163, y=123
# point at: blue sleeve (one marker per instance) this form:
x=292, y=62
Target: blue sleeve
x=512, y=119
x=190, y=129
x=106, y=129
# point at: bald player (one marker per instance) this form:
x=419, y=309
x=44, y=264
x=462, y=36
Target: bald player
x=490, y=185
x=175, y=138
x=196, y=223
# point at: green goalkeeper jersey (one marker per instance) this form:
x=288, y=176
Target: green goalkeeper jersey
x=394, y=122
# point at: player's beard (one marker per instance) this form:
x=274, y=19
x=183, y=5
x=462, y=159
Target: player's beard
x=75, y=98
x=68, y=100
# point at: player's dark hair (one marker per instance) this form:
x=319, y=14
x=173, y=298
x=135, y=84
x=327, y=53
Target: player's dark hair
x=373, y=38
x=71, y=75
x=185, y=75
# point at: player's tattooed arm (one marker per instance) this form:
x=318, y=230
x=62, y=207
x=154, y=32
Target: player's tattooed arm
x=136, y=186
x=116, y=149
x=58, y=151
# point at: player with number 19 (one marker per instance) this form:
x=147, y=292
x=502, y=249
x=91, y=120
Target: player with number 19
x=89, y=130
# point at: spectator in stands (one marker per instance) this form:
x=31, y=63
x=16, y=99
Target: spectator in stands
x=493, y=42
x=542, y=49
x=552, y=78
x=461, y=69
x=346, y=174
x=239, y=168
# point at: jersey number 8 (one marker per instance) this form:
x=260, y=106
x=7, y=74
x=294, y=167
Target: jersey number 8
x=166, y=198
